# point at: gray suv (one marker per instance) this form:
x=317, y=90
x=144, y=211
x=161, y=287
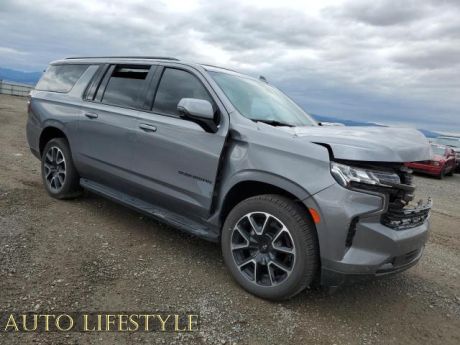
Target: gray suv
x=231, y=159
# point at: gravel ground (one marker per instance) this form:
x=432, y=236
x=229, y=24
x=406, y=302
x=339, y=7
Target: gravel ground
x=91, y=254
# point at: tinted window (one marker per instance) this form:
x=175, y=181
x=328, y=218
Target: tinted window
x=125, y=86
x=176, y=84
x=60, y=78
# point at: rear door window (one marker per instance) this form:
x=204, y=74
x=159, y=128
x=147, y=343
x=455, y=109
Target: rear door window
x=60, y=78
x=176, y=84
x=126, y=86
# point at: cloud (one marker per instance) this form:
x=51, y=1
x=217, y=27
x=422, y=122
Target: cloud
x=365, y=60
x=440, y=56
x=382, y=12
x=10, y=51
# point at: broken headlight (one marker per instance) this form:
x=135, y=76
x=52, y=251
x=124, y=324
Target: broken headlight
x=345, y=175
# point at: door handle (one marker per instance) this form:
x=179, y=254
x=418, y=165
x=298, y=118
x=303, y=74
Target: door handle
x=91, y=115
x=148, y=128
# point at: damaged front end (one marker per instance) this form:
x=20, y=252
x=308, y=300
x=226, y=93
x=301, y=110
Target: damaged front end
x=392, y=180
x=377, y=227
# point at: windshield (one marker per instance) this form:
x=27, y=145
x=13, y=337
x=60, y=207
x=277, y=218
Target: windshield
x=438, y=150
x=449, y=141
x=259, y=101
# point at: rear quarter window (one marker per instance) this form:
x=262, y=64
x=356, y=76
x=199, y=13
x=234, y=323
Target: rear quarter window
x=60, y=78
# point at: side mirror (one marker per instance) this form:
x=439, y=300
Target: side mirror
x=198, y=110
x=195, y=108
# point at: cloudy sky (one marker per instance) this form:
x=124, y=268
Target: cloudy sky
x=391, y=62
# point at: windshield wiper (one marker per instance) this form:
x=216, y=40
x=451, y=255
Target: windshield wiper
x=273, y=122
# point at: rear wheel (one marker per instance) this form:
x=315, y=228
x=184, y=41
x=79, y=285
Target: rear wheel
x=59, y=175
x=269, y=244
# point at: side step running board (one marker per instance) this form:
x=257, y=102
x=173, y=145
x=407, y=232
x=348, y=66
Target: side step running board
x=151, y=210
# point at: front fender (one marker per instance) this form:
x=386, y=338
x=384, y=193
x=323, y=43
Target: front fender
x=265, y=177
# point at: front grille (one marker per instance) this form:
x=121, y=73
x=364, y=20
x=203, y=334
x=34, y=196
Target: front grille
x=405, y=218
x=400, y=214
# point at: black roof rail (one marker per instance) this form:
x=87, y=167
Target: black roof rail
x=124, y=57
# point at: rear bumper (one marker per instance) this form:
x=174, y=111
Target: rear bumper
x=354, y=244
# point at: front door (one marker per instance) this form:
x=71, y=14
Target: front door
x=176, y=159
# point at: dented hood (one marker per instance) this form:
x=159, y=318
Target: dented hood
x=377, y=144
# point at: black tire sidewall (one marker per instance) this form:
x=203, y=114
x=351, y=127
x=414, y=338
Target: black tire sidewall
x=306, y=262
x=71, y=185
x=442, y=174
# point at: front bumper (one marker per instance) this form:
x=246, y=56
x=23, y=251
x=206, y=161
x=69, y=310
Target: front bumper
x=333, y=279
x=354, y=244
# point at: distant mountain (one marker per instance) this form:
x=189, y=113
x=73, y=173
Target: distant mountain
x=321, y=118
x=429, y=134
x=19, y=76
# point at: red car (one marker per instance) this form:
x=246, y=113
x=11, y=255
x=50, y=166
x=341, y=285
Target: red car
x=442, y=163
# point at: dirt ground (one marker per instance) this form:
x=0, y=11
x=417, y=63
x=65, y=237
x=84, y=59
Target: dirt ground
x=91, y=254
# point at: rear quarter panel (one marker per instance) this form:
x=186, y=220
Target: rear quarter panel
x=54, y=109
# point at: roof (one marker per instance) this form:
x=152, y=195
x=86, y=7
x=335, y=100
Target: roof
x=115, y=60
x=124, y=57
x=140, y=59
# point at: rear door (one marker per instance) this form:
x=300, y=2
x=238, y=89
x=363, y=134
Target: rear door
x=176, y=160
x=108, y=126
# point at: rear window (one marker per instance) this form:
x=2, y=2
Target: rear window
x=125, y=86
x=60, y=78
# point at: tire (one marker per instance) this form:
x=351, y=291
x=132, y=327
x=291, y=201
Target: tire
x=450, y=173
x=59, y=175
x=266, y=248
x=442, y=174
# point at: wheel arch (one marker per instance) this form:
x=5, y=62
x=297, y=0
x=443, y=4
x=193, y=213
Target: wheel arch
x=249, y=184
x=50, y=132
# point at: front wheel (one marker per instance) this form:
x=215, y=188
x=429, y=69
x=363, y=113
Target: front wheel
x=270, y=246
